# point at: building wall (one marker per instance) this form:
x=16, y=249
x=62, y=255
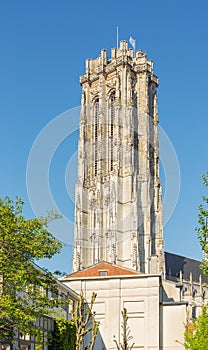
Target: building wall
x=173, y=320
x=149, y=321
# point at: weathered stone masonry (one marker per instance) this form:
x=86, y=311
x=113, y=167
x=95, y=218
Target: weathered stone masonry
x=118, y=213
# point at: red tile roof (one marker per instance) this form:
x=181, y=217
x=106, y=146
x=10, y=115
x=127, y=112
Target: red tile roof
x=98, y=270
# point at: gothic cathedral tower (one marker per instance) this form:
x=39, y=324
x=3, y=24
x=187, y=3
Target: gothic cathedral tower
x=118, y=211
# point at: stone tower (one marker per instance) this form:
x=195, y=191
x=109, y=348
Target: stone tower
x=118, y=210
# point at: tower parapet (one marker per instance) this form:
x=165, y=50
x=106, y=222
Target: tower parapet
x=119, y=57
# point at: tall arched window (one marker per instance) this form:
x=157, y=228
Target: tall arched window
x=112, y=120
x=96, y=111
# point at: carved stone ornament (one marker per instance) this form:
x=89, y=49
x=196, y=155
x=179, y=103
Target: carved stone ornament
x=111, y=83
x=94, y=90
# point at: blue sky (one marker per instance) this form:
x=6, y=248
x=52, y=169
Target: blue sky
x=44, y=45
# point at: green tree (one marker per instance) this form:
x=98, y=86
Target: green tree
x=196, y=331
x=202, y=230
x=64, y=335
x=84, y=320
x=24, y=286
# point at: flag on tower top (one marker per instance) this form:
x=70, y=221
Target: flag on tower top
x=132, y=42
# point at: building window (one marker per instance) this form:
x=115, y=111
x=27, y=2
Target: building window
x=112, y=120
x=96, y=111
x=194, y=292
x=102, y=273
x=41, y=340
x=193, y=313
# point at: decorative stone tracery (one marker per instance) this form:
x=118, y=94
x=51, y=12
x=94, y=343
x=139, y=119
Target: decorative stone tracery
x=118, y=191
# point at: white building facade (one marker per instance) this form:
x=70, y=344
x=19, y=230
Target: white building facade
x=156, y=313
